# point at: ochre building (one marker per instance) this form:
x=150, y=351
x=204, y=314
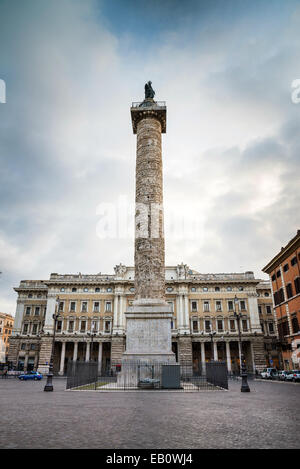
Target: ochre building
x=92, y=323
x=284, y=272
x=6, y=326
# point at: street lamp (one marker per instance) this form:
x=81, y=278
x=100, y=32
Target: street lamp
x=49, y=385
x=243, y=372
x=211, y=334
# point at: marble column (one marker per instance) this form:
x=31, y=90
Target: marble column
x=26, y=361
x=186, y=312
x=116, y=322
x=228, y=357
x=75, y=351
x=62, y=358
x=203, y=362
x=87, y=352
x=215, y=351
x=181, y=321
x=100, y=356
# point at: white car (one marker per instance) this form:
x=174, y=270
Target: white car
x=283, y=374
x=269, y=373
x=293, y=375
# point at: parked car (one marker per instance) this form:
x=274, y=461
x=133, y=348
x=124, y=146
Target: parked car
x=283, y=374
x=31, y=375
x=269, y=373
x=293, y=375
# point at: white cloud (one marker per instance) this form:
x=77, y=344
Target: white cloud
x=230, y=152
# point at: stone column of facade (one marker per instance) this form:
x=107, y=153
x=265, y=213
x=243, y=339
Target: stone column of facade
x=177, y=312
x=87, y=352
x=121, y=312
x=100, y=356
x=36, y=358
x=148, y=321
x=75, y=351
x=26, y=360
x=203, y=362
x=215, y=351
x=228, y=356
x=62, y=358
x=186, y=314
x=115, y=320
x=180, y=315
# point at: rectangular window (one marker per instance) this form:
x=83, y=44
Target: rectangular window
x=259, y=309
x=268, y=309
x=278, y=273
x=37, y=311
x=289, y=290
x=232, y=324
x=27, y=310
x=23, y=347
x=61, y=306
x=297, y=284
x=34, y=328
x=84, y=306
x=206, y=306
x=82, y=326
x=207, y=326
x=243, y=305
x=195, y=326
x=245, y=324
x=285, y=267
x=194, y=306
x=59, y=326
x=218, y=306
x=230, y=305
x=108, y=306
x=262, y=327
x=97, y=306
x=94, y=326
x=295, y=325
x=71, y=326
x=220, y=325
x=107, y=326
x=273, y=278
x=25, y=329
x=72, y=306
x=271, y=327
x=294, y=261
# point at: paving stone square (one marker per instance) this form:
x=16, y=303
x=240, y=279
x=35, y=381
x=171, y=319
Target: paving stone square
x=267, y=417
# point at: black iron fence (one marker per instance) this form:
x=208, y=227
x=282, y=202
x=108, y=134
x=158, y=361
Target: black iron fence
x=145, y=375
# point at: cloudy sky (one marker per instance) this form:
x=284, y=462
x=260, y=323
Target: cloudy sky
x=231, y=152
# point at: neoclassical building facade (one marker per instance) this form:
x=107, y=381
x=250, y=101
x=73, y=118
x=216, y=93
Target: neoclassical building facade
x=92, y=324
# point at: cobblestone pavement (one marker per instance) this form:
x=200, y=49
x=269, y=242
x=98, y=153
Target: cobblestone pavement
x=267, y=417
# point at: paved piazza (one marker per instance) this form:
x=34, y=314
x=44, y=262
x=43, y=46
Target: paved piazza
x=268, y=417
